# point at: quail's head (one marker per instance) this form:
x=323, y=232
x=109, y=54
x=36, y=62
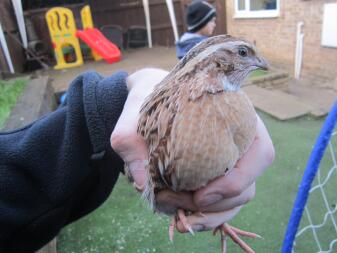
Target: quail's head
x=227, y=58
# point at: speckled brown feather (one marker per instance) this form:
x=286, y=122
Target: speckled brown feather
x=195, y=130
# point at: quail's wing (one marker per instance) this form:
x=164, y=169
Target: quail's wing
x=167, y=111
x=155, y=125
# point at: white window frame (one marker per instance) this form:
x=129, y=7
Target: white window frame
x=247, y=13
x=329, y=33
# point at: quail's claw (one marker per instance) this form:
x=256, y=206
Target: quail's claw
x=234, y=233
x=223, y=242
x=190, y=230
x=201, y=214
x=245, y=233
x=182, y=218
x=171, y=228
x=216, y=230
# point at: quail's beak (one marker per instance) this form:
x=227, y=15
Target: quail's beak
x=261, y=63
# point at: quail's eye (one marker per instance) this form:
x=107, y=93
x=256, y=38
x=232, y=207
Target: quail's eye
x=243, y=52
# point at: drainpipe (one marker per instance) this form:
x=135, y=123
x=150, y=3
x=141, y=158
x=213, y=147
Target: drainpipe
x=147, y=20
x=4, y=47
x=299, y=50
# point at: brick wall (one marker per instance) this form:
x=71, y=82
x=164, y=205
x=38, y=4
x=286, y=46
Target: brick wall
x=276, y=37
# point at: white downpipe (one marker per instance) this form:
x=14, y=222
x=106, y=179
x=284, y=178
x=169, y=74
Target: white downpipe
x=299, y=50
x=170, y=7
x=4, y=47
x=21, y=21
x=148, y=22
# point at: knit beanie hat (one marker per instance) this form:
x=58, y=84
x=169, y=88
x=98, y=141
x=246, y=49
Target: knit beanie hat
x=199, y=13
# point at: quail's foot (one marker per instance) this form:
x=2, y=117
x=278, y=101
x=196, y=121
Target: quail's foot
x=234, y=233
x=180, y=216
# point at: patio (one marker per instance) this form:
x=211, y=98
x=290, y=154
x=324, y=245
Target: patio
x=275, y=93
x=133, y=59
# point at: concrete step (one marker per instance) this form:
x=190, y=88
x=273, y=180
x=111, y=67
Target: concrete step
x=279, y=104
x=36, y=100
x=272, y=80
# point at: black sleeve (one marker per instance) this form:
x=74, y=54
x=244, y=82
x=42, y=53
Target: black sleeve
x=60, y=167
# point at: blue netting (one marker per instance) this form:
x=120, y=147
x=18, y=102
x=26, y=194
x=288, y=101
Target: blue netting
x=309, y=175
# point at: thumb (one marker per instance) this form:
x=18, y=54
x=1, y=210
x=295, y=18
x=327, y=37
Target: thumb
x=138, y=173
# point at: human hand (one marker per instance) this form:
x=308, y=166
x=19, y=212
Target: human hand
x=125, y=141
x=217, y=214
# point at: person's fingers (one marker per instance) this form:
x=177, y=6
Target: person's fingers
x=207, y=221
x=229, y=203
x=228, y=186
x=168, y=201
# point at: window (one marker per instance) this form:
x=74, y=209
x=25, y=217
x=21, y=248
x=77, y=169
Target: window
x=329, y=32
x=256, y=8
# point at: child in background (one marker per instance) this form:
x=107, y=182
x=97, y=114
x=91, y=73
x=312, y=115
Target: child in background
x=200, y=19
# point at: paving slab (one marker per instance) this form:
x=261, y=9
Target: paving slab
x=279, y=104
x=319, y=99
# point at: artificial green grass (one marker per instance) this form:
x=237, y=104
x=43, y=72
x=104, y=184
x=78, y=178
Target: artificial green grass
x=9, y=92
x=257, y=73
x=124, y=224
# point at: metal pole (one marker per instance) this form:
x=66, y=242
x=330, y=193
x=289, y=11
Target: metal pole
x=21, y=21
x=170, y=7
x=5, y=50
x=148, y=22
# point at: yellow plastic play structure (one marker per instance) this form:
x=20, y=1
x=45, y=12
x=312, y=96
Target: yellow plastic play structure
x=64, y=36
x=62, y=31
x=88, y=23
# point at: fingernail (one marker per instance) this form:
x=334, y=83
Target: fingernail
x=190, y=229
x=259, y=236
x=210, y=199
x=138, y=188
x=138, y=173
x=198, y=227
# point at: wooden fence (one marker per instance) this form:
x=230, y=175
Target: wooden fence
x=125, y=13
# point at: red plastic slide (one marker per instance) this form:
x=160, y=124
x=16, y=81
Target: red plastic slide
x=96, y=41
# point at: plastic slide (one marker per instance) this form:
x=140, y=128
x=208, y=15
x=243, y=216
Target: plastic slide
x=101, y=45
